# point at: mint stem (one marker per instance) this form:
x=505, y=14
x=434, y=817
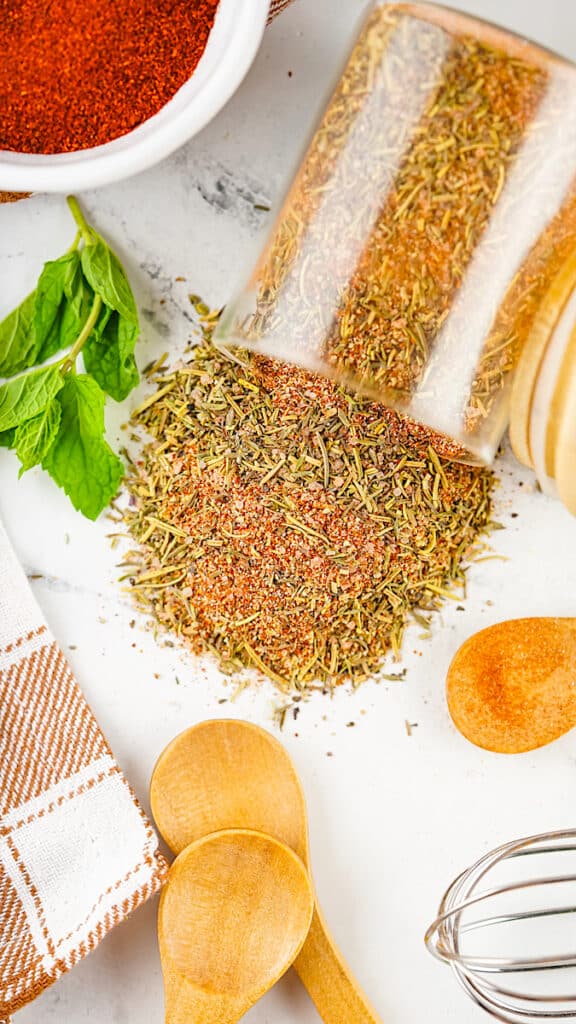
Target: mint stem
x=76, y=242
x=81, y=221
x=85, y=333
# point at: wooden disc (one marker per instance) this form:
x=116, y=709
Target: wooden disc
x=530, y=361
x=548, y=398
x=563, y=427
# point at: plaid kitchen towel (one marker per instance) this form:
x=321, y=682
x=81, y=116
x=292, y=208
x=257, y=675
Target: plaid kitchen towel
x=77, y=853
x=276, y=6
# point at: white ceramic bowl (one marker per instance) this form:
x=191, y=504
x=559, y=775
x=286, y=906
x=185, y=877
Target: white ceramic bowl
x=231, y=48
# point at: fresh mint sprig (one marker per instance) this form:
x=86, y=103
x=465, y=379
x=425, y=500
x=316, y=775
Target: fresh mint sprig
x=52, y=415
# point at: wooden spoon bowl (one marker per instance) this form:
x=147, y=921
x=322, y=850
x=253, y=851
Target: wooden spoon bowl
x=227, y=774
x=233, y=915
x=512, y=687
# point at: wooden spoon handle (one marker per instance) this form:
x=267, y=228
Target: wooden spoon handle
x=332, y=988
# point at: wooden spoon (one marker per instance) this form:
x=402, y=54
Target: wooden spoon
x=512, y=687
x=222, y=774
x=233, y=915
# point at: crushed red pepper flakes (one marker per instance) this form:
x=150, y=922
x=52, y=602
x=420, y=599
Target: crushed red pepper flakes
x=285, y=525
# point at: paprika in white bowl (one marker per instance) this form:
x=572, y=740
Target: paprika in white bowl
x=101, y=91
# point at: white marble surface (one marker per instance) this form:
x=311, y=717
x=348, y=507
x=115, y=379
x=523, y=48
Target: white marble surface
x=393, y=816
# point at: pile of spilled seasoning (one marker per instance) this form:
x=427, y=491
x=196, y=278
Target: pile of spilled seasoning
x=84, y=72
x=285, y=525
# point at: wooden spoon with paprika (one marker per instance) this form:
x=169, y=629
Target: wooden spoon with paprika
x=512, y=687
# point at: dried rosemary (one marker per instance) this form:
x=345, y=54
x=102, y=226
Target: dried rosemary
x=287, y=525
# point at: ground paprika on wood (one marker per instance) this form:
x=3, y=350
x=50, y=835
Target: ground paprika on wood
x=78, y=73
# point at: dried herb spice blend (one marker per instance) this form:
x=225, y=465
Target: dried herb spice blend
x=286, y=525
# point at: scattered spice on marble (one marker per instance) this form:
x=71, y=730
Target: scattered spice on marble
x=288, y=526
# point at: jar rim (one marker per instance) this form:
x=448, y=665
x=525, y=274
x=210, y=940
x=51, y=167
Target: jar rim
x=486, y=31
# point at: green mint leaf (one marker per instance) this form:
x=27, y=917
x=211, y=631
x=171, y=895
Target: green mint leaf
x=48, y=305
x=109, y=356
x=80, y=460
x=76, y=310
x=18, y=346
x=7, y=438
x=24, y=397
x=33, y=439
x=106, y=276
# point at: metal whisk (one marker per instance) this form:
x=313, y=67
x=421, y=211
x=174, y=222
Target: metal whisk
x=526, y=973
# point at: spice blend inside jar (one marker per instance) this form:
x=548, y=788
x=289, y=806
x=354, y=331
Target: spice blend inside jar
x=434, y=204
x=287, y=525
x=83, y=72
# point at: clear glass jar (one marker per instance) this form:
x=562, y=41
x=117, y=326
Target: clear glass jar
x=434, y=206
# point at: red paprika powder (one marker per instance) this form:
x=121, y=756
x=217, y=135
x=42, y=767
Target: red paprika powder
x=78, y=73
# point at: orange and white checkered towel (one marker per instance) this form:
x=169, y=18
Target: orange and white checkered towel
x=77, y=853
x=276, y=6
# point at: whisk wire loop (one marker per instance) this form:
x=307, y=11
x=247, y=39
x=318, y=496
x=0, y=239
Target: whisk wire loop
x=446, y=937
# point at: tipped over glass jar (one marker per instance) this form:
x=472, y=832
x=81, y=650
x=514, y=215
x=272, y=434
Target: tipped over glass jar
x=426, y=251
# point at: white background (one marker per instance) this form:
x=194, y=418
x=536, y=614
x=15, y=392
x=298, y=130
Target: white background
x=392, y=816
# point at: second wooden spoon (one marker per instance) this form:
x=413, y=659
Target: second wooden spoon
x=233, y=914
x=225, y=774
